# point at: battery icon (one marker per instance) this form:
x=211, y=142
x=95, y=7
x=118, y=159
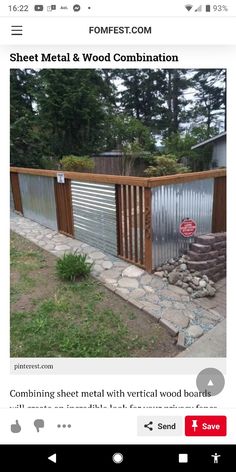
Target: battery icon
x=208, y=8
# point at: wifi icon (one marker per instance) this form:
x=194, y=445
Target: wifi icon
x=188, y=7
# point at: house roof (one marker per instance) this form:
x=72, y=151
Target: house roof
x=210, y=140
x=110, y=154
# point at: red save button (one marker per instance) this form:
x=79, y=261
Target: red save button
x=205, y=425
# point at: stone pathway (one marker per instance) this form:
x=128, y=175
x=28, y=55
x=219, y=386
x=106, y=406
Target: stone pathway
x=170, y=305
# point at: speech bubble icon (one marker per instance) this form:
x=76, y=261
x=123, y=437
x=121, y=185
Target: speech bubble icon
x=38, y=424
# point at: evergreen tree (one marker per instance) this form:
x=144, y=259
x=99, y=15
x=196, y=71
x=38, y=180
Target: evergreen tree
x=210, y=97
x=142, y=95
x=25, y=144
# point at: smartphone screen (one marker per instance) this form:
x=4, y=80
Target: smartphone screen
x=117, y=345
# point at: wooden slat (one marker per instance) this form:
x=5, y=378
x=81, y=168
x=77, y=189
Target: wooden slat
x=141, y=225
x=148, y=229
x=219, y=206
x=135, y=225
x=119, y=223
x=16, y=192
x=131, y=262
x=130, y=222
x=125, y=221
x=126, y=180
x=64, y=207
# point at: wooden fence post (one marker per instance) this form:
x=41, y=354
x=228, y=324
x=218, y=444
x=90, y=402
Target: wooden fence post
x=148, y=229
x=15, y=186
x=64, y=207
x=219, y=205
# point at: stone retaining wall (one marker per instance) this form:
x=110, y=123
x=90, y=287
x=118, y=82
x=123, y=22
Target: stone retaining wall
x=207, y=255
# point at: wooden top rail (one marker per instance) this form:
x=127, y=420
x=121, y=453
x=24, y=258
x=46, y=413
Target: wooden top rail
x=86, y=177
x=125, y=180
x=190, y=176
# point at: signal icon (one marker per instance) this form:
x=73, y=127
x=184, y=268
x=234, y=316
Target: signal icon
x=199, y=9
x=188, y=7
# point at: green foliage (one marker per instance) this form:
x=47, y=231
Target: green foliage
x=69, y=112
x=165, y=165
x=76, y=163
x=125, y=130
x=181, y=146
x=210, y=96
x=73, y=266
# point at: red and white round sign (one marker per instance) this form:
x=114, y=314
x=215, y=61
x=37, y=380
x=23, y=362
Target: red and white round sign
x=187, y=227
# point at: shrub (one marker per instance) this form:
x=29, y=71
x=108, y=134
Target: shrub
x=165, y=165
x=76, y=163
x=73, y=266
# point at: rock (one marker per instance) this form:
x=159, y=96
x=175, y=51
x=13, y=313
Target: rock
x=171, y=261
x=152, y=309
x=179, y=283
x=200, y=293
x=173, y=277
x=137, y=303
x=113, y=273
x=127, y=282
x=182, y=267
x=179, y=306
x=159, y=274
x=137, y=293
x=177, y=290
x=97, y=268
x=152, y=298
x=169, y=326
x=205, y=278
x=176, y=317
x=189, y=290
x=194, y=331
x=123, y=292
x=196, y=281
x=148, y=289
x=166, y=304
x=107, y=265
x=210, y=290
x=202, y=284
x=184, y=285
x=165, y=279
x=180, y=341
x=132, y=271
x=146, y=279
x=97, y=255
x=61, y=247
x=189, y=278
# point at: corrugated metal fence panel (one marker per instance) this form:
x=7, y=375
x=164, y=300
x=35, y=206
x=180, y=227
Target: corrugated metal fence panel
x=94, y=215
x=38, y=199
x=170, y=205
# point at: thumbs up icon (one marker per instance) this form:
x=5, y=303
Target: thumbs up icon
x=15, y=427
